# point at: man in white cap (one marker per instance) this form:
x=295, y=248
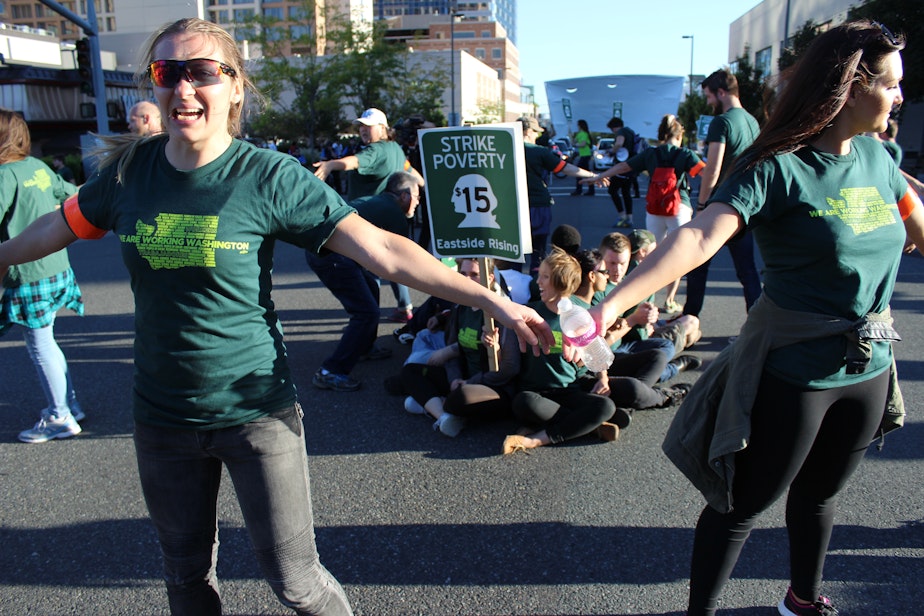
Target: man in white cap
x=378, y=158
x=368, y=173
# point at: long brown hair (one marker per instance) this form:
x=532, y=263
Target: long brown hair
x=15, y=140
x=817, y=87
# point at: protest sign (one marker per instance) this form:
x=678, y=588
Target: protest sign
x=476, y=191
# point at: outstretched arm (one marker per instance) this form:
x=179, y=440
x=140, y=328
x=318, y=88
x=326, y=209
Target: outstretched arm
x=47, y=234
x=684, y=249
x=323, y=169
x=400, y=260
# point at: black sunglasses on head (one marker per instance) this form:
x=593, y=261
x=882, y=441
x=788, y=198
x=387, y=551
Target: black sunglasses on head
x=198, y=71
x=886, y=33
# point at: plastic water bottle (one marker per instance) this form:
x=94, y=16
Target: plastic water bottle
x=580, y=329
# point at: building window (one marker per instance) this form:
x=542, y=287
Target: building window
x=497, y=53
x=465, y=34
x=485, y=34
x=273, y=12
x=762, y=61
x=39, y=10
x=22, y=11
x=220, y=17
x=479, y=53
x=242, y=15
x=297, y=13
x=297, y=32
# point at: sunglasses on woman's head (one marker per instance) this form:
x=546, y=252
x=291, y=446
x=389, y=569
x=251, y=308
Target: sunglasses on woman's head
x=198, y=71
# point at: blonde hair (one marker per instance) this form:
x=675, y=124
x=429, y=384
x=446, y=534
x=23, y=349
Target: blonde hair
x=15, y=140
x=121, y=148
x=564, y=271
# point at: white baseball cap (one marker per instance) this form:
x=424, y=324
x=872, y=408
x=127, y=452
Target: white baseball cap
x=371, y=117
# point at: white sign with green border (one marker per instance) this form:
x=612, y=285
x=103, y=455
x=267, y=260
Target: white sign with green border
x=476, y=191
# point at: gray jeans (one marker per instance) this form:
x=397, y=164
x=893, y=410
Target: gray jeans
x=180, y=472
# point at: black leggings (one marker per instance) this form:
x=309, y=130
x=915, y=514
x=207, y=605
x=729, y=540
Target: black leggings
x=564, y=413
x=807, y=441
x=474, y=401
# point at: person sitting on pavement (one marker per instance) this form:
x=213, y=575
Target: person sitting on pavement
x=632, y=376
x=551, y=404
x=357, y=288
x=455, y=385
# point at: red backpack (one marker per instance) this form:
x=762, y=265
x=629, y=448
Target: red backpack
x=663, y=198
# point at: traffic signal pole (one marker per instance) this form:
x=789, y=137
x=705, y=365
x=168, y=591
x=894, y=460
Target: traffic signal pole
x=96, y=67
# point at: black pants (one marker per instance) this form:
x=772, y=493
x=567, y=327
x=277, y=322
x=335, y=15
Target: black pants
x=564, y=413
x=807, y=441
x=474, y=401
x=621, y=186
x=742, y=253
x=583, y=162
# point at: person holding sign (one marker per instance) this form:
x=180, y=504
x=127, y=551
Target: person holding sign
x=455, y=384
x=539, y=159
x=198, y=212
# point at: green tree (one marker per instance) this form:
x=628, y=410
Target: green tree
x=798, y=43
x=752, y=86
x=904, y=16
x=301, y=88
x=690, y=111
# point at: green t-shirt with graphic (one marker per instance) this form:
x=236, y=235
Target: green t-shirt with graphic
x=548, y=371
x=469, y=322
x=831, y=237
x=377, y=161
x=30, y=189
x=198, y=246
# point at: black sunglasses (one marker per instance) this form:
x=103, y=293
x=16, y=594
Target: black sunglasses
x=887, y=33
x=605, y=272
x=198, y=71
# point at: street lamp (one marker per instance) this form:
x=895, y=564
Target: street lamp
x=452, y=65
x=690, y=36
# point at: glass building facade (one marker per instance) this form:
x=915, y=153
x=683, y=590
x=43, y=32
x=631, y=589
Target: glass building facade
x=501, y=11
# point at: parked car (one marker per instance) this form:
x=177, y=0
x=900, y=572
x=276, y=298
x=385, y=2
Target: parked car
x=565, y=148
x=603, y=154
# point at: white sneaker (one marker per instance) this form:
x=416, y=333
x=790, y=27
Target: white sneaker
x=413, y=407
x=49, y=428
x=449, y=424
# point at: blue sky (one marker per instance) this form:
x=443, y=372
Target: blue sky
x=559, y=39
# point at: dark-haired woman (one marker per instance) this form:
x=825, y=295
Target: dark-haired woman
x=807, y=382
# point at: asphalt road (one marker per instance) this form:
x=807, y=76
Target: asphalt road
x=412, y=522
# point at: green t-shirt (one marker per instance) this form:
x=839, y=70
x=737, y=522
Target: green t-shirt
x=551, y=371
x=469, y=324
x=377, y=161
x=382, y=210
x=30, y=189
x=831, y=237
x=737, y=129
x=583, y=137
x=685, y=161
x=539, y=159
x=198, y=246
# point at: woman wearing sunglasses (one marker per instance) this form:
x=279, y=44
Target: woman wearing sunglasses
x=808, y=378
x=197, y=212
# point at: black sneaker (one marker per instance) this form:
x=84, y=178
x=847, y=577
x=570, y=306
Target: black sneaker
x=674, y=394
x=790, y=607
x=336, y=382
x=622, y=418
x=686, y=362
